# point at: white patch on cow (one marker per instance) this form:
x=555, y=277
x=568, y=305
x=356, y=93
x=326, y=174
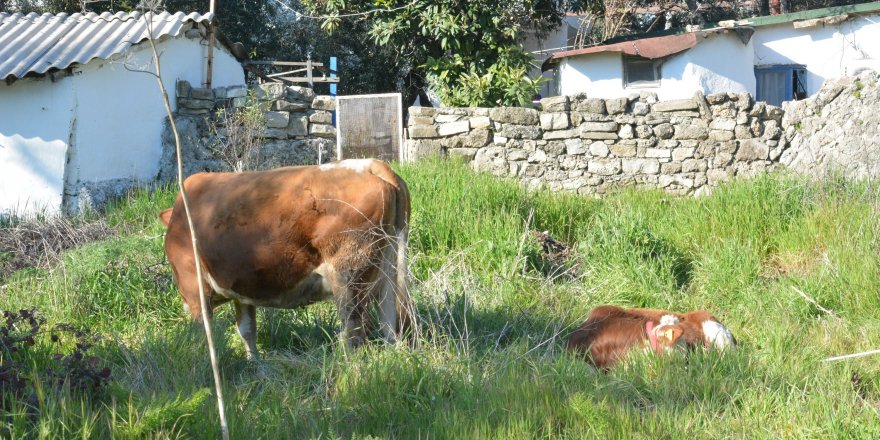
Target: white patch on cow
x=222, y=291
x=357, y=165
x=668, y=320
x=717, y=335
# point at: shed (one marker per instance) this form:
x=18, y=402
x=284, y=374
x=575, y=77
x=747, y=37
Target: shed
x=80, y=120
x=776, y=58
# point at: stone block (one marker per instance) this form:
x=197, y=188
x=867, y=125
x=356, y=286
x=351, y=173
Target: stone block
x=298, y=126
x=622, y=150
x=658, y=153
x=644, y=131
x=183, y=89
x=641, y=109
x=321, y=117
x=423, y=131
x=480, y=122
x=236, y=91
x=640, y=166
x=288, y=106
x=591, y=105
x=626, y=132
x=276, y=119
x=595, y=135
x=694, y=165
x=680, y=154
x=752, y=149
x=555, y=104
x=420, y=111
x=521, y=131
x=201, y=93
x=322, y=130
x=604, y=167
x=270, y=91
x=297, y=93
x=559, y=134
x=670, y=167
x=574, y=146
x=676, y=105
x=616, y=106
x=691, y=131
x=723, y=124
x=599, y=149
x=721, y=135
x=420, y=120
x=196, y=104
x=443, y=119
x=554, y=121
x=598, y=126
x=664, y=131
x=514, y=115
x=452, y=128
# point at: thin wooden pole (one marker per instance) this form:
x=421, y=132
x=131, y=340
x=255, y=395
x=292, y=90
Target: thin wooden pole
x=206, y=319
x=209, y=74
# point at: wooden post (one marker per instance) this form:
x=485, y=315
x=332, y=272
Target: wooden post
x=309, y=72
x=209, y=73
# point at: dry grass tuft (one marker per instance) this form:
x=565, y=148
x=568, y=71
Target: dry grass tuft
x=40, y=242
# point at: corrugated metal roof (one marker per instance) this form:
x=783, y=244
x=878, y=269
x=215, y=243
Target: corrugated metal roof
x=37, y=44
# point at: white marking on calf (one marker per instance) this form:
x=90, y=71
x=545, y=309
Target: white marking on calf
x=222, y=291
x=668, y=320
x=717, y=335
x=357, y=165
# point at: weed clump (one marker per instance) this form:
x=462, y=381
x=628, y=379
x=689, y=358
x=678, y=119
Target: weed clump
x=33, y=358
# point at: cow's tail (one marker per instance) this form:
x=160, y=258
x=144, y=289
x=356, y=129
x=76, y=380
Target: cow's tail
x=406, y=314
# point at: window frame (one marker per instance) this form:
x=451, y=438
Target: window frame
x=656, y=64
x=792, y=87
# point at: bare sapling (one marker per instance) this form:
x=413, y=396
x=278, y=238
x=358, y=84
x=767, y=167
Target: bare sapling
x=150, y=6
x=239, y=133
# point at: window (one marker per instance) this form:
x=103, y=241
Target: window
x=778, y=83
x=640, y=72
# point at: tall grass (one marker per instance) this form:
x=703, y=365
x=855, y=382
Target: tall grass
x=492, y=364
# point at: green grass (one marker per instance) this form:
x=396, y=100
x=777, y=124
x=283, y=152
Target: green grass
x=491, y=364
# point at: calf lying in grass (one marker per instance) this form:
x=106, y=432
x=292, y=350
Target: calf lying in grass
x=611, y=331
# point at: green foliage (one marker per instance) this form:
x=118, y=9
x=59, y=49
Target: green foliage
x=467, y=51
x=492, y=363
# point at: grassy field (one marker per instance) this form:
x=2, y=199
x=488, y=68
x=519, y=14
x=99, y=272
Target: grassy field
x=495, y=315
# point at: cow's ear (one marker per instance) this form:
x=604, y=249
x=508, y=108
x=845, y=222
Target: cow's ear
x=165, y=216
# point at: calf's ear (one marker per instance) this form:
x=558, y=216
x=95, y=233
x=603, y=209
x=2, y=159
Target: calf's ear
x=672, y=333
x=165, y=216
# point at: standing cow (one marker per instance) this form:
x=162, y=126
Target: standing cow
x=294, y=236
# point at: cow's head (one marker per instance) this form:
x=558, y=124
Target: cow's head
x=165, y=216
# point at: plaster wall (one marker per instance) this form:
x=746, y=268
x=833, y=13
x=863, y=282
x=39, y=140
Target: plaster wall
x=102, y=124
x=827, y=51
x=35, y=127
x=721, y=63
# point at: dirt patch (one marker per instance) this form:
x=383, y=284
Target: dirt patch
x=556, y=259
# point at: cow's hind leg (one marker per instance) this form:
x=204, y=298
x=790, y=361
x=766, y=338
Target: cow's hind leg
x=246, y=320
x=351, y=316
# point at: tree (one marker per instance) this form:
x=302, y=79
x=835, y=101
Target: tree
x=467, y=52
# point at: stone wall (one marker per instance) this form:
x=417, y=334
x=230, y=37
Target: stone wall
x=591, y=145
x=298, y=127
x=838, y=131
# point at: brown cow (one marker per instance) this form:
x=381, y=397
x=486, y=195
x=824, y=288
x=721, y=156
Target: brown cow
x=610, y=332
x=294, y=236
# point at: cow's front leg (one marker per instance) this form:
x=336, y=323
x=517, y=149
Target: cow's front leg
x=246, y=320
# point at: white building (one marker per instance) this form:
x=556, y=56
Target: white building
x=77, y=112
x=776, y=58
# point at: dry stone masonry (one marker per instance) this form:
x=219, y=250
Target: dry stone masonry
x=838, y=131
x=298, y=126
x=591, y=145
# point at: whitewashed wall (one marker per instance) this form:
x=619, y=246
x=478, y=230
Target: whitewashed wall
x=827, y=51
x=105, y=121
x=721, y=63
x=35, y=119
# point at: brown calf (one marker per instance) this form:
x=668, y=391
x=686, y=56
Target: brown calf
x=610, y=332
